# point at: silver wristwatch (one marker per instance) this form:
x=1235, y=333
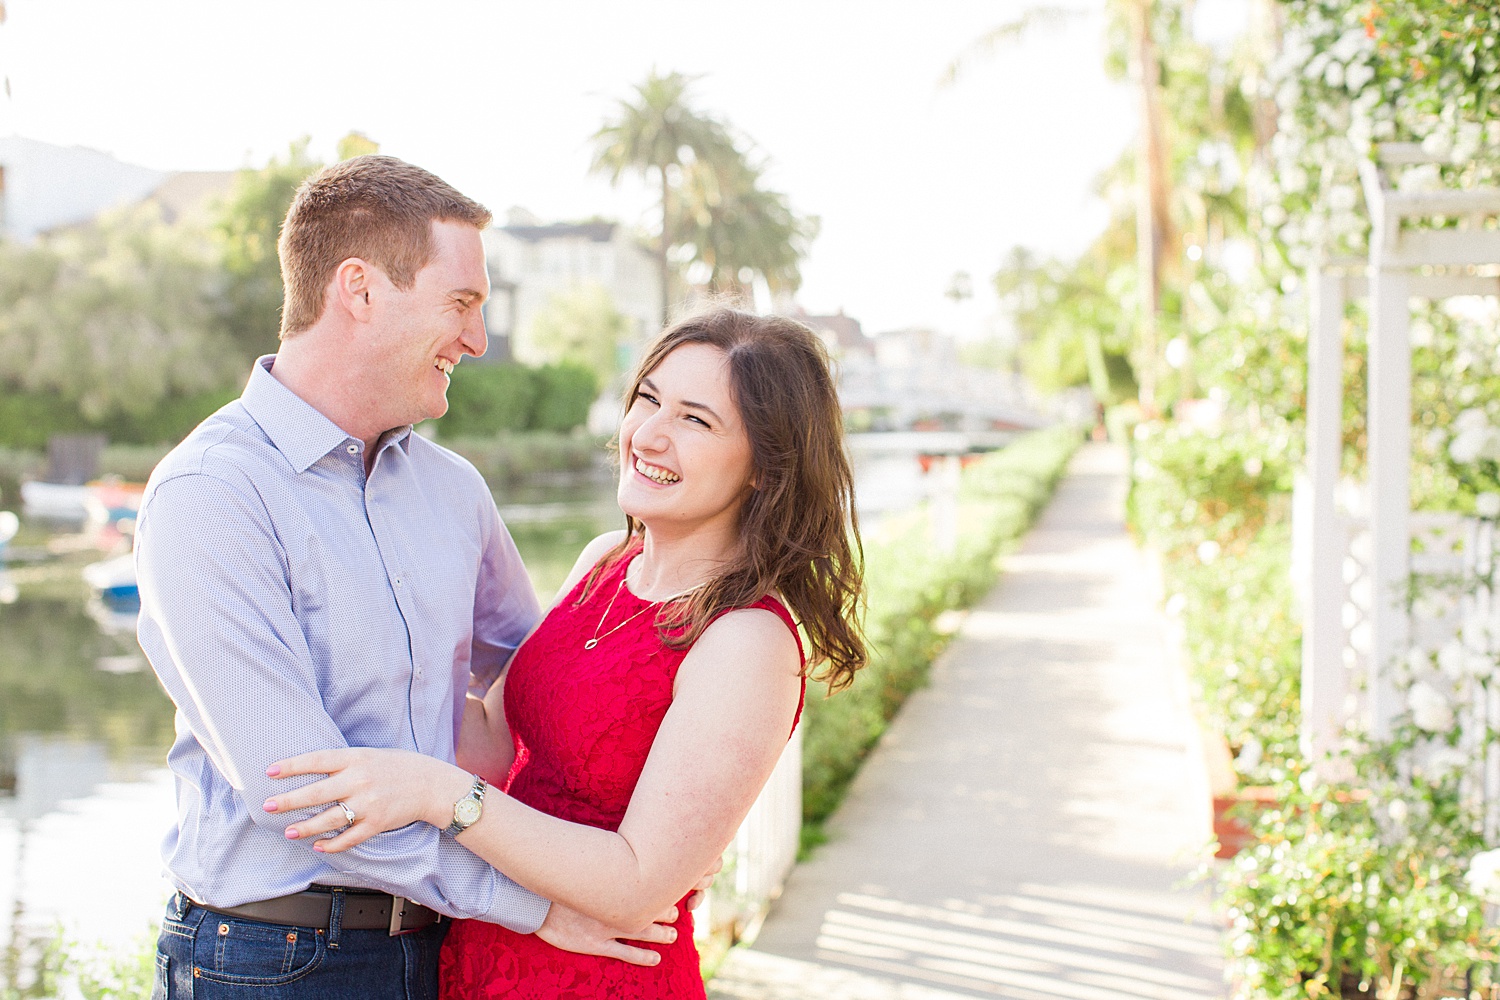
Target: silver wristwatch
x=467, y=810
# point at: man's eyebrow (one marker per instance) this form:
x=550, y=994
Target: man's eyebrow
x=686, y=402
x=467, y=293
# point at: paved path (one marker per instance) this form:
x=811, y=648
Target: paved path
x=1026, y=825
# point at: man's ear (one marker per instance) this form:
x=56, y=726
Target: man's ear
x=351, y=287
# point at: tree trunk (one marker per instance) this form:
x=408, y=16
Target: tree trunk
x=1153, y=222
x=661, y=250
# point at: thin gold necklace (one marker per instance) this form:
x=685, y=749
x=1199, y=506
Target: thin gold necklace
x=597, y=638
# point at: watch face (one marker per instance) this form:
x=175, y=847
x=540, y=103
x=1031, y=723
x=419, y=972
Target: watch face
x=466, y=812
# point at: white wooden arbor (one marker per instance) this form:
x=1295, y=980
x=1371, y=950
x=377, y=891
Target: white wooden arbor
x=1431, y=245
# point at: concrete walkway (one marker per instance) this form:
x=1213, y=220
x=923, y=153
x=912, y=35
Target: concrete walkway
x=1027, y=824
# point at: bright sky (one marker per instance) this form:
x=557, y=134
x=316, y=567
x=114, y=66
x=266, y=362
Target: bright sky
x=912, y=181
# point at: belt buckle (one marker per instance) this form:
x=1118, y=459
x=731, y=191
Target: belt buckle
x=398, y=910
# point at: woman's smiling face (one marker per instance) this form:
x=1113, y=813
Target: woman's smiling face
x=685, y=460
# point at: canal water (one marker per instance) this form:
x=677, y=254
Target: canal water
x=84, y=727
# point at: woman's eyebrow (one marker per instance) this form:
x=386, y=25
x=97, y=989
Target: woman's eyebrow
x=686, y=402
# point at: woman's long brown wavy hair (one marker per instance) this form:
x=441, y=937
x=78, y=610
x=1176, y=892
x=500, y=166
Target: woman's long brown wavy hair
x=799, y=536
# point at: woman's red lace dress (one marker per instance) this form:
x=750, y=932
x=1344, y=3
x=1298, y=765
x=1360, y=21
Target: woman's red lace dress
x=583, y=723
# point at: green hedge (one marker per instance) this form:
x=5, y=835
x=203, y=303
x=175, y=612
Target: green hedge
x=27, y=420
x=484, y=400
x=512, y=456
x=910, y=585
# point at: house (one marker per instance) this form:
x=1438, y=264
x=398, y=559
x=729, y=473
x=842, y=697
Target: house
x=845, y=339
x=531, y=261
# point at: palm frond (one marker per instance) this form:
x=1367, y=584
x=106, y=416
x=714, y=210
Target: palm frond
x=987, y=44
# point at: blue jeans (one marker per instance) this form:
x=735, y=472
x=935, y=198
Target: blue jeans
x=202, y=955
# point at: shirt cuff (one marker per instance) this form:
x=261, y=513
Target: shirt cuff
x=518, y=909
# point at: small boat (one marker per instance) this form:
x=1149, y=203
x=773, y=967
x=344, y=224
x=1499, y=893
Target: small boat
x=55, y=501
x=9, y=525
x=114, y=581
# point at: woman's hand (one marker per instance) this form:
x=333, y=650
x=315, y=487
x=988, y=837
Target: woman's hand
x=384, y=789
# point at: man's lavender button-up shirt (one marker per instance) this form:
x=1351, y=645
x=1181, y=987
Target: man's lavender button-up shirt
x=289, y=603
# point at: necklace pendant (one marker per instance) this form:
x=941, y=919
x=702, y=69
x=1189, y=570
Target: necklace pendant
x=591, y=644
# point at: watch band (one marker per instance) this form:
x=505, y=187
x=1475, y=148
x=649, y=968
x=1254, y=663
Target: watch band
x=467, y=810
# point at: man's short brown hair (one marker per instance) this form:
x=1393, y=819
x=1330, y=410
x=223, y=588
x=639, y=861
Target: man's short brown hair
x=377, y=208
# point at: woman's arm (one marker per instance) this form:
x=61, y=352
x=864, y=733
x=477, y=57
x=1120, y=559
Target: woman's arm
x=484, y=742
x=736, y=692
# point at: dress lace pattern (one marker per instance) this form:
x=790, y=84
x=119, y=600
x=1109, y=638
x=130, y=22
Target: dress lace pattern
x=583, y=723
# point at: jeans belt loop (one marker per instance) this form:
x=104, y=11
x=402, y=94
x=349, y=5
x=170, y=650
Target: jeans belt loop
x=336, y=917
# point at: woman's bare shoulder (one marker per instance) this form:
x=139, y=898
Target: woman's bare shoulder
x=591, y=554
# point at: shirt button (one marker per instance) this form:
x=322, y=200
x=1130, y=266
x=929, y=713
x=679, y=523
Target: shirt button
x=353, y=449
x=398, y=581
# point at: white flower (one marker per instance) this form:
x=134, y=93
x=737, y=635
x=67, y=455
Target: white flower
x=1208, y=551
x=1334, y=74
x=1483, y=875
x=1479, y=637
x=1450, y=660
x=1249, y=757
x=1342, y=197
x=1445, y=761
x=1468, y=143
x=1422, y=177
x=1175, y=605
x=1472, y=419
x=1357, y=75
x=1487, y=505
x=1397, y=810
x=1438, y=144
x=1429, y=709
x=1254, y=466
x=1469, y=445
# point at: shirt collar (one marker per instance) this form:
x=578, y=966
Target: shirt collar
x=294, y=426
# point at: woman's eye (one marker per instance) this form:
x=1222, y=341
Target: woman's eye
x=698, y=420
x=643, y=394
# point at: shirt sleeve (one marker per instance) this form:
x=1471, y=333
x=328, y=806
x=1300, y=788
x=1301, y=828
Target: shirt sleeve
x=505, y=604
x=218, y=623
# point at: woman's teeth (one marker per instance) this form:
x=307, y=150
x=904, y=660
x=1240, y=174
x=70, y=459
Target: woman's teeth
x=443, y=365
x=655, y=474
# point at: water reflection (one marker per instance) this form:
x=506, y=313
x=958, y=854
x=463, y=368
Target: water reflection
x=84, y=727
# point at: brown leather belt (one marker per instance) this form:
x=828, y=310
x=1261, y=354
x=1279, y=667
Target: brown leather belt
x=363, y=911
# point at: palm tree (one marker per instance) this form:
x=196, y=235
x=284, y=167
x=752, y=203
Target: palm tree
x=737, y=229
x=1152, y=183
x=659, y=131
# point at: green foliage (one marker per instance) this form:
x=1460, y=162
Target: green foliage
x=1070, y=321
x=581, y=326
x=715, y=213
x=111, y=319
x=247, y=229
x=732, y=228
x=1217, y=509
x=910, y=584
x=565, y=393
x=512, y=457
x=484, y=400
x=27, y=419
x=1189, y=487
x=1349, y=892
x=59, y=966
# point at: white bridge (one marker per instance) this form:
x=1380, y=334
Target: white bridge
x=970, y=398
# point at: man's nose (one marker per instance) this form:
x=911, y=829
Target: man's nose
x=474, y=340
